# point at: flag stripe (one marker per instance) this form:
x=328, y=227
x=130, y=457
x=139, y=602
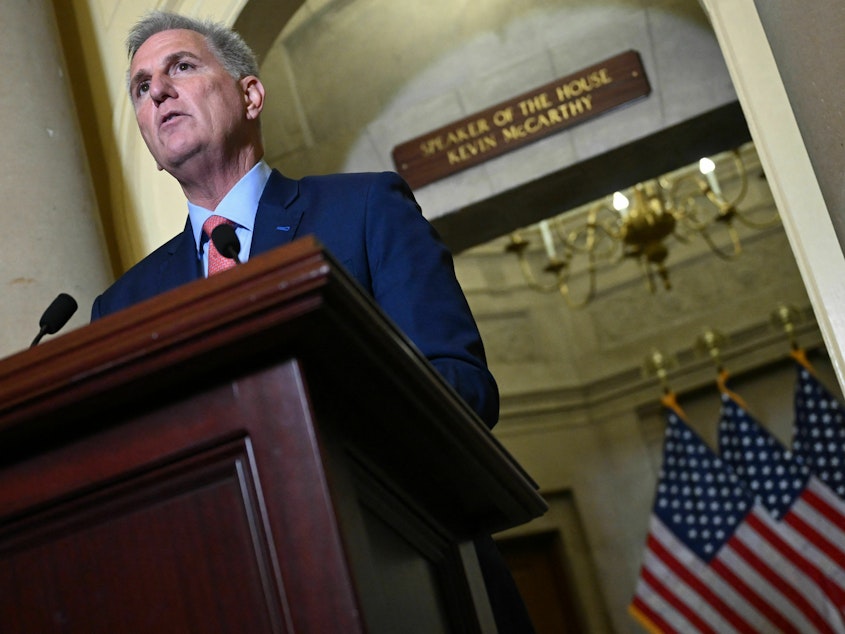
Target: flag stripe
x=710, y=587
x=650, y=618
x=691, y=589
x=776, y=579
x=830, y=522
x=674, y=599
x=809, y=568
x=694, y=582
x=813, y=496
x=751, y=596
x=831, y=554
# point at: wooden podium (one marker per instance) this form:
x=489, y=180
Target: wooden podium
x=261, y=451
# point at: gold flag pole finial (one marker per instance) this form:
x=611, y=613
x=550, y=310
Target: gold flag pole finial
x=709, y=343
x=657, y=364
x=786, y=316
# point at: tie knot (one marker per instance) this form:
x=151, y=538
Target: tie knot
x=212, y=222
x=216, y=261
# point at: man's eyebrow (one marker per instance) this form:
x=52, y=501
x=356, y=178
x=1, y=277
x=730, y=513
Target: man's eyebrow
x=168, y=61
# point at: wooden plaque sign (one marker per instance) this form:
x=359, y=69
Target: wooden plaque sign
x=524, y=119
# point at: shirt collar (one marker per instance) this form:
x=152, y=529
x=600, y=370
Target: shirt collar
x=239, y=205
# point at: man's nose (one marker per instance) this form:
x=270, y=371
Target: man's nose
x=161, y=88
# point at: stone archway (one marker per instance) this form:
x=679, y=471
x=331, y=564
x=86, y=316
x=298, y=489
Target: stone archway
x=261, y=21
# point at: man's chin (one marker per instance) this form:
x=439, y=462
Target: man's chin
x=174, y=163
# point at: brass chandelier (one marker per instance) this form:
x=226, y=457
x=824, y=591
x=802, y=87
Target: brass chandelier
x=699, y=201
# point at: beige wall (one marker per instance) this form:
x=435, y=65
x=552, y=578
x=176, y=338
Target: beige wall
x=52, y=240
x=798, y=32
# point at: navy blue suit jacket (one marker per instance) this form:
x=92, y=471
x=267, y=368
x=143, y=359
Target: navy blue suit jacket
x=371, y=224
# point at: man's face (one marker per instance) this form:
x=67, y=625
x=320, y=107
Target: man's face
x=185, y=102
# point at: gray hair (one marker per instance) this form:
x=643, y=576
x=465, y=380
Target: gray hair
x=228, y=47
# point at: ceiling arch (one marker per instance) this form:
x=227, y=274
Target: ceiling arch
x=261, y=21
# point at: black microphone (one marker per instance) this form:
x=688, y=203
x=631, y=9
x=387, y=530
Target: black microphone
x=226, y=241
x=57, y=315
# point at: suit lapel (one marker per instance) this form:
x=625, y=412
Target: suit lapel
x=182, y=266
x=277, y=218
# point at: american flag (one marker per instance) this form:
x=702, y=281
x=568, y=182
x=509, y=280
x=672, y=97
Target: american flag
x=819, y=434
x=715, y=560
x=808, y=512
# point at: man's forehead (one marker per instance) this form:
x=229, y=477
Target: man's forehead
x=162, y=45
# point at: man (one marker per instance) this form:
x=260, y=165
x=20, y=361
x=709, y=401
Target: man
x=199, y=116
x=198, y=99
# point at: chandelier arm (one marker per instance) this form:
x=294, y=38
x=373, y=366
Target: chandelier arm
x=674, y=186
x=531, y=279
x=597, y=235
x=564, y=291
x=663, y=273
x=689, y=216
x=743, y=177
x=612, y=230
x=563, y=287
x=737, y=245
x=680, y=236
x=758, y=224
x=647, y=274
x=609, y=227
x=716, y=200
x=518, y=246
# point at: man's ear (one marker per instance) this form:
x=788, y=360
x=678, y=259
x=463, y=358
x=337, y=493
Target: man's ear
x=253, y=91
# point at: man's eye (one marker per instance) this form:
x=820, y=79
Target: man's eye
x=143, y=87
x=183, y=66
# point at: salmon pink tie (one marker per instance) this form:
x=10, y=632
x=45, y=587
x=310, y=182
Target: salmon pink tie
x=216, y=261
